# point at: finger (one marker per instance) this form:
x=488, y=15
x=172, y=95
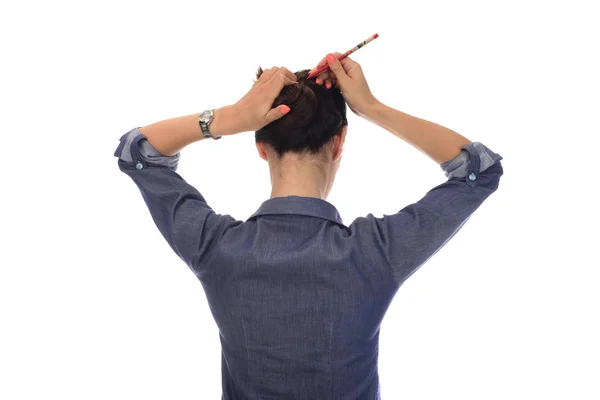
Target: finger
x=324, y=77
x=351, y=67
x=288, y=73
x=274, y=86
x=348, y=63
x=279, y=80
x=268, y=74
x=337, y=69
x=327, y=74
x=276, y=113
x=324, y=61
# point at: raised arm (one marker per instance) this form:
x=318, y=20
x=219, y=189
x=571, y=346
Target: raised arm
x=405, y=240
x=149, y=155
x=251, y=112
x=439, y=143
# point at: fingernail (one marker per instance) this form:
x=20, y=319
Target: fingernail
x=285, y=109
x=318, y=81
x=330, y=58
x=328, y=85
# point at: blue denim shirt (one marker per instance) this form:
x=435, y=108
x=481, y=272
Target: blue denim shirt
x=299, y=296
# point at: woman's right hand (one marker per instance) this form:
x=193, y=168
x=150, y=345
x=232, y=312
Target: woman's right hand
x=348, y=77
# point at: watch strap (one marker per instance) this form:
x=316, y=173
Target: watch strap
x=204, y=128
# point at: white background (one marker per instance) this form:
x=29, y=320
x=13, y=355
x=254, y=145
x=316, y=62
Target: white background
x=95, y=305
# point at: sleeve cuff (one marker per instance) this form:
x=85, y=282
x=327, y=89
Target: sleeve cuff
x=465, y=163
x=135, y=141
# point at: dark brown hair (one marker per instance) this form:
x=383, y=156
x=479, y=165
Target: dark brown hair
x=316, y=115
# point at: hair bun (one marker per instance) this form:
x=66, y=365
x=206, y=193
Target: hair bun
x=316, y=115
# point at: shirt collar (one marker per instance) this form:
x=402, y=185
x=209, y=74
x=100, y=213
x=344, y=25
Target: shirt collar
x=298, y=205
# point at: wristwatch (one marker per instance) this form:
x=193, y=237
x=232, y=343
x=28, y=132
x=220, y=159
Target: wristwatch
x=204, y=121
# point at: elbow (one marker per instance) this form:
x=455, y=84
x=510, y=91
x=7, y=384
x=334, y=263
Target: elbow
x=491, y=176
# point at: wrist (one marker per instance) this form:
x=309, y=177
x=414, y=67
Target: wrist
x=225, y=121
x=371, y=110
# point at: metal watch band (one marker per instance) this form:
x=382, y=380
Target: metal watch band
x=204, y=127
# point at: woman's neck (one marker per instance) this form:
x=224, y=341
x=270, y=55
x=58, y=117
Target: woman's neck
x=304, y=182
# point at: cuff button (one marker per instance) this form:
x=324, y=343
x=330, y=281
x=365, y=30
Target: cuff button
x=472, y=177
x=139, y=165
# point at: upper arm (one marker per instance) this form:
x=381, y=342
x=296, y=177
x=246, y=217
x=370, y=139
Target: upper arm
x=406, y=240
x=180, y=212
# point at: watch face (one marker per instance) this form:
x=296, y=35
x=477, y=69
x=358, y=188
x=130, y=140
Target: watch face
x=205, y=116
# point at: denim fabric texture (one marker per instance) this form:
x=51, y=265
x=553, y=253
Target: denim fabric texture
x=297, y=295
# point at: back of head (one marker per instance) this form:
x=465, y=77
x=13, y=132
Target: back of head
x=317, y=114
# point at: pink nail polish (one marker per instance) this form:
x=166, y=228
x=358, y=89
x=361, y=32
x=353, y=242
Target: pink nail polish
x=285, y=109
x=318, y=81
x=328, y=85
x=330, y=58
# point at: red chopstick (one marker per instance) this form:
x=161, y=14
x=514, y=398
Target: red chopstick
x=342, y=56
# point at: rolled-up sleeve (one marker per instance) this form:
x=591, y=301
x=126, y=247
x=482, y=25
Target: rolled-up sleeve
x=406, y=240
x=180, y=212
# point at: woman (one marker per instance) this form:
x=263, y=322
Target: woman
x=297, y=295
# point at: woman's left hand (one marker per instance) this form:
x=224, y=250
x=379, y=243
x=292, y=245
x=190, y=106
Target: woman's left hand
x=254, y=110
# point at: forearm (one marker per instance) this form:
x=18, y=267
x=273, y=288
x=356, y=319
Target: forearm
x=439, y=143
x=171, y=135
